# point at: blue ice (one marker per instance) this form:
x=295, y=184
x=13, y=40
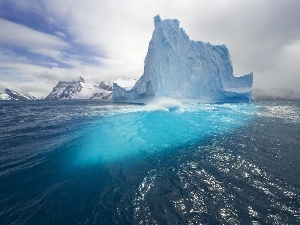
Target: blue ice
x=158, y=128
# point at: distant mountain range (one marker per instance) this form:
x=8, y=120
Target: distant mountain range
x=79, y=89
x=82, y=89
x=13, y=95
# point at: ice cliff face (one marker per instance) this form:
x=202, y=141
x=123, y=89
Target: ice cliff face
x=177, y=67
x=13, y=95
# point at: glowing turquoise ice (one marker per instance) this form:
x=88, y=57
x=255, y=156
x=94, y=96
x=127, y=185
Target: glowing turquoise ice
x=149, y=131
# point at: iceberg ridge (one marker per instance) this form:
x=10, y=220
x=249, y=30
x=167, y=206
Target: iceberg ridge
x=177, y=67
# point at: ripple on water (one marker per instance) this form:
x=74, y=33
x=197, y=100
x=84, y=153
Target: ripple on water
x=219, y=186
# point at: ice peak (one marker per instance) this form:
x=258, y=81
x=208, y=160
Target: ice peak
x=166, y=24
x=157, y=19
x=176, y=67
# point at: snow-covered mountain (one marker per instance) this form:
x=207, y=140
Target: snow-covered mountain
x=79, y=89
x=13, y=95
x=275, y=94
x=82, y=89
x=177, y=67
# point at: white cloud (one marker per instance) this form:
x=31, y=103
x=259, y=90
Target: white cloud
x=55, y=54
x=50, y=20
x=257, y=33
x=61, y=35
x=59, y=56
x=14, y=34
x=25, y=75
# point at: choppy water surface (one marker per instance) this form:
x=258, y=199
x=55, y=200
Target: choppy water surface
x=95, y=162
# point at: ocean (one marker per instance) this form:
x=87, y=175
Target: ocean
x=99, y=162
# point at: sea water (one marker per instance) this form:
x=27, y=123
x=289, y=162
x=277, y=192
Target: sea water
x=99, y=162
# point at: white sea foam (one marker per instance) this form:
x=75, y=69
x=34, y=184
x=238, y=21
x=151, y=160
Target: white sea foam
x=166, y=104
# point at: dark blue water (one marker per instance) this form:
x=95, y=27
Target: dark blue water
x=97, y=162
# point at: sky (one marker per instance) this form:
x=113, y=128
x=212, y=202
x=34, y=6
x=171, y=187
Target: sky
x=45, y=41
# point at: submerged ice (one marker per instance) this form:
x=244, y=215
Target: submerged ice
x=160, y=126
x=177, y=67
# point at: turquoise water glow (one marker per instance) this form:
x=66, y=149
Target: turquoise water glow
x=154, y=129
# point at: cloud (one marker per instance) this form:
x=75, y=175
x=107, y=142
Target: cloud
x=104, y=40
x=55, y=54
x=59, y=56
x=50, y=20
x=18, y=73
x=60, y=34
x=14, y=34
x=256, y=32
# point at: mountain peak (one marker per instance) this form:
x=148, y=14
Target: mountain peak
x=13, y=95
x=80, y=89
x=7, y=90
x=81, y=79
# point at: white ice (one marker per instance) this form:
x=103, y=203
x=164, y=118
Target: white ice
x=177, y=67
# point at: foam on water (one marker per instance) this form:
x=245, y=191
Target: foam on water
x=166, y=104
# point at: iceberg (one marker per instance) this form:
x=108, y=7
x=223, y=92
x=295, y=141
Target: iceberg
x=180, y=68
